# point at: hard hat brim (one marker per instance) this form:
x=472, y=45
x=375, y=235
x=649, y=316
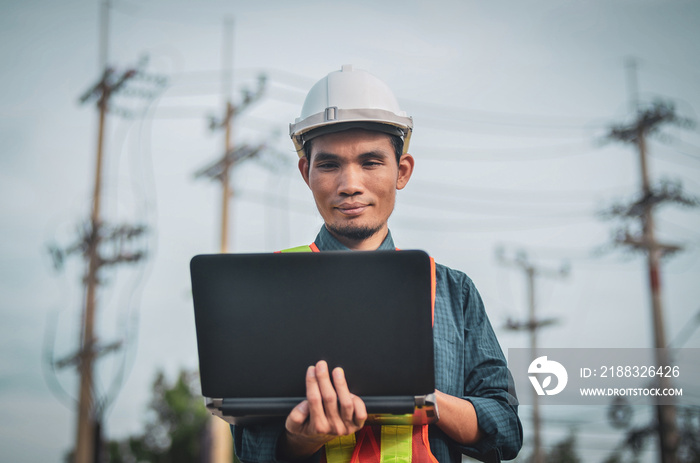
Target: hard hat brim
x=336, y=120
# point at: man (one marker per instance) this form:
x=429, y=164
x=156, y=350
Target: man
x=353, y=139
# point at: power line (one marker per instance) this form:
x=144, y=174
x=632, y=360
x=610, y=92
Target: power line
x=516, y=119
x=685, y=146
x=482, y=128
x=303, y=83
x=533, y=153
x=502, y=210
x=509, y=195
x=446, y=113
x=438, y=225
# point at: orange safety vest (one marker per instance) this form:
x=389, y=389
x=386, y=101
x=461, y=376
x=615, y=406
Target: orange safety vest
x=385, y=443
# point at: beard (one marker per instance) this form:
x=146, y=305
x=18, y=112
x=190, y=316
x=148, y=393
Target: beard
x=353, y=232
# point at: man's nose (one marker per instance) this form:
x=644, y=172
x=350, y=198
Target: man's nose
x=350, y=182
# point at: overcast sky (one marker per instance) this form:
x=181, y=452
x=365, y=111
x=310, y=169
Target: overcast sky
x=511, y=103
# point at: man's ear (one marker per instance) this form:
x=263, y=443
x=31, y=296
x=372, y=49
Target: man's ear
x=406, y=164
x=304, y=168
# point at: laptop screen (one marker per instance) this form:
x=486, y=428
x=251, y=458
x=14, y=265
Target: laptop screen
x=262, y=319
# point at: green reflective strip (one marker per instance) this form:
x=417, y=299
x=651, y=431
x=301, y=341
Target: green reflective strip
x=305, y=248
x=340, y=449
x=397, y=444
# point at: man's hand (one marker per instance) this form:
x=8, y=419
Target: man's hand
x=330, y=410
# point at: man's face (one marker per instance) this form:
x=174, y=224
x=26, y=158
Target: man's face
x=354, y=176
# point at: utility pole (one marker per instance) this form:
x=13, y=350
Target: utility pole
x=95, y=236
x=221, y=170
x=86, y=447
x=648, y=120
x=227, y=122
x=221, y=439
x=87, y=442
x=531, y=325
x=100, y=245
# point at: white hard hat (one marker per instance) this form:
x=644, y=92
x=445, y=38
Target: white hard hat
x=349, y=98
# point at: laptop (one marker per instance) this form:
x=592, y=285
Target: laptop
x=263, y=319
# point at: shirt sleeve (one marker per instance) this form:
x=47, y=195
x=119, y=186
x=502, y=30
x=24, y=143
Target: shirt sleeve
x=256, y=443
x=487, y=382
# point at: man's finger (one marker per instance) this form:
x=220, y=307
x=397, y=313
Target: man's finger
x=345, y=402
x=330, y=398
x=360, y=415
x=317, y=415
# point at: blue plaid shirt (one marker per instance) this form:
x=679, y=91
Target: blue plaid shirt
x=469, y=363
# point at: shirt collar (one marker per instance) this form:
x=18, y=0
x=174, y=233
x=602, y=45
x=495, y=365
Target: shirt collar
x=327, y=242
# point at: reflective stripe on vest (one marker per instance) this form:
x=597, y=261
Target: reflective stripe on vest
x=381, y=444
x=340, y=449
x=397, y=443
x=307, y=248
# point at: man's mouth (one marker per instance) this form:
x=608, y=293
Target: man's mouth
x=352, y=209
